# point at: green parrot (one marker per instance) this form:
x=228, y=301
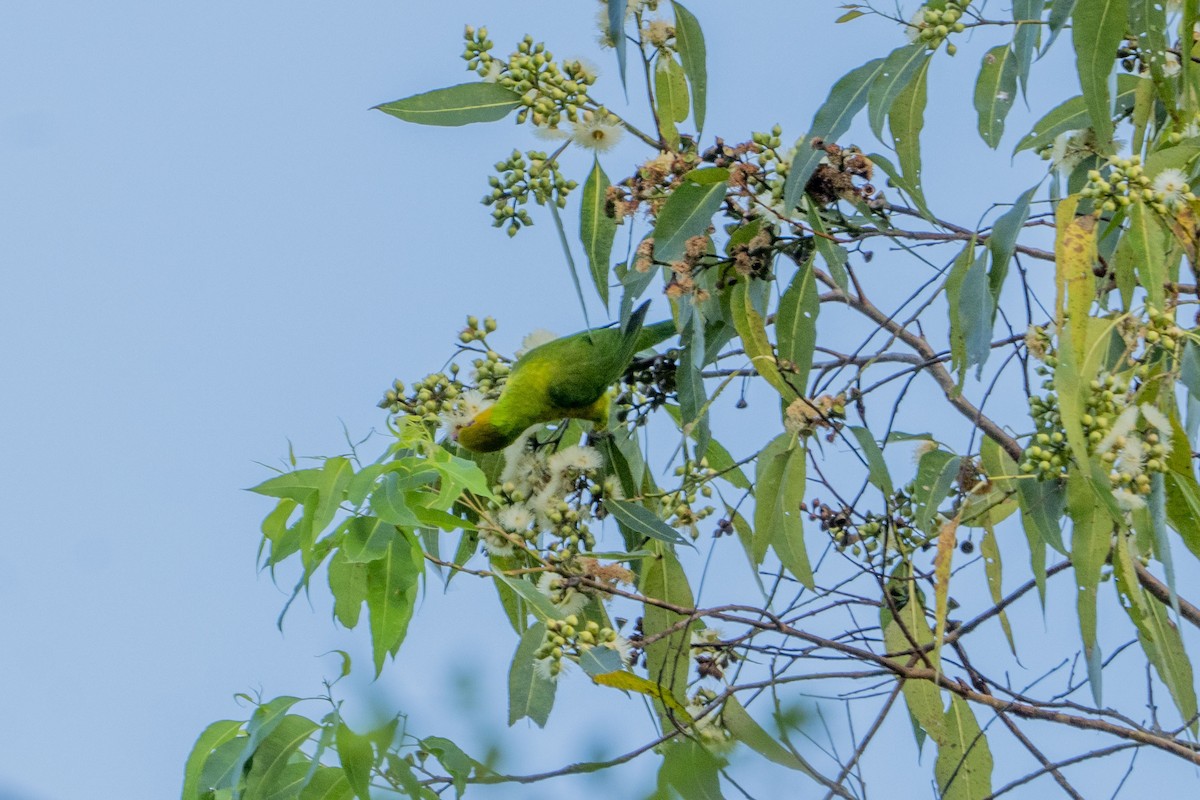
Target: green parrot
x=566, y=377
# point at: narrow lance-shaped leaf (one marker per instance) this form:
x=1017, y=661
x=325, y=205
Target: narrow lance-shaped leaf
x=796, y=326
x=976, y=308
x=671, y=99
x=846, y=99
x=1002, y=242
x=1091, y=531
x=994, y=571
x=787, y=535
x=616, y=33
x=746, y=730
x=964, y=762
x=995, y=91
x=832, y=253
x=753, y=332
x=877, y=468
x=1028, y=16
x=906, y=120
x=898, y=70
x=689, y=41
x=668, y=658
x=455, y=105
x=597, y=229
x=1074, y=255
x=392, y=594
x=1097, y=27
x=958, y=331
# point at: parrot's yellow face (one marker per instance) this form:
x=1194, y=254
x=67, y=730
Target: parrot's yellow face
x=481, y=435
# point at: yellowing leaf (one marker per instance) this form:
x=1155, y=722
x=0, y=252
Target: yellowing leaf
x=947, y=541
x=629, y=682
x=1075, y=253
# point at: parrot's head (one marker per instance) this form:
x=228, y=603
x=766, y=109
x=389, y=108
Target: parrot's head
x=481, y=434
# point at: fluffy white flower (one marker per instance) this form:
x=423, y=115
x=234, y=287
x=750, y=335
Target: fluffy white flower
x=1191, y=130
x=516, y=518
x=1070, y=149
x=535, y=338
x=1157, y=420
x=598, y=132
x=493, y=72
x=584, y=459
x=1121, y=427
x=549, y=135
x=541, y=666
x=1170, y=185
x=1131, y=458
x=912, y=28
x=1127, y=500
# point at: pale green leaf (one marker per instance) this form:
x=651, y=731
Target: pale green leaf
x=689, y=41
x=597, y=229
x=529, y=693
x=899, y=68
x=995, y=91
x=964, y=762
x=688, y=212
x=1097, y=28
x=455, y=105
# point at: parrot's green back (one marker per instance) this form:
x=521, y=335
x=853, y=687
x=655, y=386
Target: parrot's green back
x=566, y=377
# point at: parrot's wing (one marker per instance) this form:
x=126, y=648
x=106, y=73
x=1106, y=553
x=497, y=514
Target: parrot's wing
x=590, y=362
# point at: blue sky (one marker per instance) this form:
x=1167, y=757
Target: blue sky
x=211, y=247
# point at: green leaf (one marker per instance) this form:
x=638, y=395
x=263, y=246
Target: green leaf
x=367, y=539
x=455, y=105
x=539, y=604
x=936, y=471
x=964, y=762
x=846, y=99
x=357, y=759
x=769, y=471
x=832, y=253
x=392, y=595
x=787, y=533
x=1002, y=242
x=597, y=229
x=298, y=485
x=899, y=68
x=348, y=584
x=689, y=383
x=452, y=757
x=668, y=658
x=529, y=694
x=267, y=779
x=1097, y=28
x=959, y=361
x=1060, y=12
x=1091, y=532
x=1028, y=16
x=601, y=660
x=1148, y=22
x=689, y=41
x=900, y=633
x=752, y=330
x=692, y=770
x=1142, y=253
x=743, y=727
x=796, y=326
x=1072, y=115
x=688, y=212
x=570, y=259
x=1183, y=508
x=616, y=33
x=995, y=90
x=641, y=520
x=976, y=308
x=671, y=96
x=906, y=119
x=328, y=783
x=215, y=735
x=994, y=571
x=877, y=471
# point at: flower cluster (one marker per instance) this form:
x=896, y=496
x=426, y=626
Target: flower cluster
x=932, y=26
x=709, y=727
x=1126, y=183
x=1129, y=438
x=547, y=502
x=519, y=176
x=567, y=638
x=550, y=93
x=679, y=506
x=805, y=416
x=712, y=656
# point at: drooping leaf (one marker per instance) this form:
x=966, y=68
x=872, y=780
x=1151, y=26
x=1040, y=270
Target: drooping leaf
x=899, y=68
x=995, y=91
x=629, y=682
x=1028, y=16
x=1097, y=27
x=1142, y=255
x=906, y=120
x=597, y=229
x=455, y=105
x=1075, y=253
x=616, y=32
x=936, y=471
x=529, y=693
x=689, y=41
x=1091, y=533
x=877, y=468
x=787, y=531
x=796, y=326
x=670, y=97
x=752, y=329
x=1002, y=242
x=743, y=727
x=994, y=571
x=832, y=253
x=771, y=463
x=964, y=762
x=975, y=309
x=268, y=778
x=392, y=595
x=846, y=99
x=668, y=658
x=215, y=735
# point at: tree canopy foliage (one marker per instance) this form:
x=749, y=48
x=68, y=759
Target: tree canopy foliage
x=896, y=554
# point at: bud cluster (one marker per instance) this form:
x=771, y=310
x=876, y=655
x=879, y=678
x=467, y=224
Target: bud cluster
x=568, y=638
x=549, y=92
x=711, y=655
x=648, y=385
x=679, y=506
x=1126, y=183
x=932, y=26
x=439, y=395
x=518, y=177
